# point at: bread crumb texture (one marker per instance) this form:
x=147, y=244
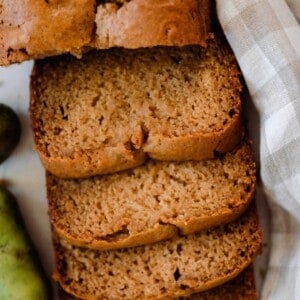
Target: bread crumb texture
x=171, y=103
x=242, y=287
x=171, y=268
x=152, y=202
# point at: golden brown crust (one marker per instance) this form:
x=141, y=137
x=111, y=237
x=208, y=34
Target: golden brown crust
x=140, y=23
x=37, y=28
x=88, y=163
x=196, y=146
x=153, y=235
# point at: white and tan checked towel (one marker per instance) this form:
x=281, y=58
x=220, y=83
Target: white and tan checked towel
x=265, y=36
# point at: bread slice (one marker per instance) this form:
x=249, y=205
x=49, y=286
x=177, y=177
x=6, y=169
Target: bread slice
x=163, y=270
x=152, y=202
x=37, y=28
x=109, y=110
x=242, y=287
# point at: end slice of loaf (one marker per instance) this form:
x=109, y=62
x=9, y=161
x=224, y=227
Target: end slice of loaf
x=152, y=202
x=37, y=28
x=242, y=287
x=163, y=270
x=109, y=110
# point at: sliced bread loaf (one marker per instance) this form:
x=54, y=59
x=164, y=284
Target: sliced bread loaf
x=38, y=28
x=242, y=287
x=163, y=270
x=107, y=111
x=151, y=202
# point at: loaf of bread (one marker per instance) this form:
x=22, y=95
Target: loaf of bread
x=37, y=28
x=242, y=287
x=111, y=109
x=163, y=270
x=152, y=202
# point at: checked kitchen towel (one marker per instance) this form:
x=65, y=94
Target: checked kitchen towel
x=265, y=36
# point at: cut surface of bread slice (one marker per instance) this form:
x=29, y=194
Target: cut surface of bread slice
x=241, y=287
x=109, y=110
x=163, y=270
x=76, y=25
x=152, y=202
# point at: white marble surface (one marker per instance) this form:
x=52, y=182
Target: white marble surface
x=26, y=176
